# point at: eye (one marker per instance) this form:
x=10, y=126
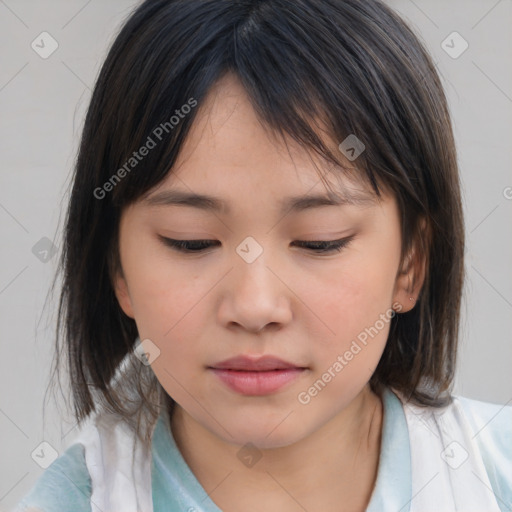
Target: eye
x=189, y=246
x=317, y=246
x=323, y=246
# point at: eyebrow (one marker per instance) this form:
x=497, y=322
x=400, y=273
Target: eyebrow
x=293, y=203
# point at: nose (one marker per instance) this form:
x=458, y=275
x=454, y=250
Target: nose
x=255, y=297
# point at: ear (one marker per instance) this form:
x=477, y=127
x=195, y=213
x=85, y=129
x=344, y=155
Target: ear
x=123, y=295
x=411, y=276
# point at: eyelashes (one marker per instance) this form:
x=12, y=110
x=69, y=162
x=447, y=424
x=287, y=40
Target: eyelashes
x=315, y=246
x=322, y=246
x=189, y=245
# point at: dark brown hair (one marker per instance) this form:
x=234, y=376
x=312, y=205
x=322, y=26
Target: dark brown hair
x=353, y=64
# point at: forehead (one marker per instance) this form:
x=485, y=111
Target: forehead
x=228, y=151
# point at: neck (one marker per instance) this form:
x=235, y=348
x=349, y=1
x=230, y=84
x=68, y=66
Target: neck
x=342, y=461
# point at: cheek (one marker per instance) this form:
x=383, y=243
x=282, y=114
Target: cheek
x=162, y=292
x=171, y=308
x=170, y=311
x=354, y=303
x=358, y=315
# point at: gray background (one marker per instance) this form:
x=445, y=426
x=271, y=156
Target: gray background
x=42, y=104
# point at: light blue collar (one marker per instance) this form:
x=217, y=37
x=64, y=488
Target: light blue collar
x=175, y=487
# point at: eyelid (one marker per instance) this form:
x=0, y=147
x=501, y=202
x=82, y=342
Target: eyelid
x=181, y=245
x=325, y=245
x=315, y=246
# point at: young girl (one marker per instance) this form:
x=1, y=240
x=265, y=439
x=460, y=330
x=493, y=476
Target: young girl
x=263, y=269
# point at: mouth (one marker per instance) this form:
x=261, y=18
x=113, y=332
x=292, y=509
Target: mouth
x=256, y=376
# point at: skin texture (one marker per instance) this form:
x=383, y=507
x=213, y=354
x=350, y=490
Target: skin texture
x=291, y=302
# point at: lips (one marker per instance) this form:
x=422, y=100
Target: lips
x=256, y=376
x=254, y=364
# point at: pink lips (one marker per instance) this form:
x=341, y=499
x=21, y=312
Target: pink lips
x=256, y=376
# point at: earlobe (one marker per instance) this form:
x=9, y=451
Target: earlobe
x=123, y=296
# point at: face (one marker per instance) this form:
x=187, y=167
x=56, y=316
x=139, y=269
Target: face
x=258, y=287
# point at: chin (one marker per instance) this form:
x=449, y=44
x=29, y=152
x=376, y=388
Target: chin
x=262, y=434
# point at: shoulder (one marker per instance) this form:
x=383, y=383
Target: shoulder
x=491, y=426
x=65, y=485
